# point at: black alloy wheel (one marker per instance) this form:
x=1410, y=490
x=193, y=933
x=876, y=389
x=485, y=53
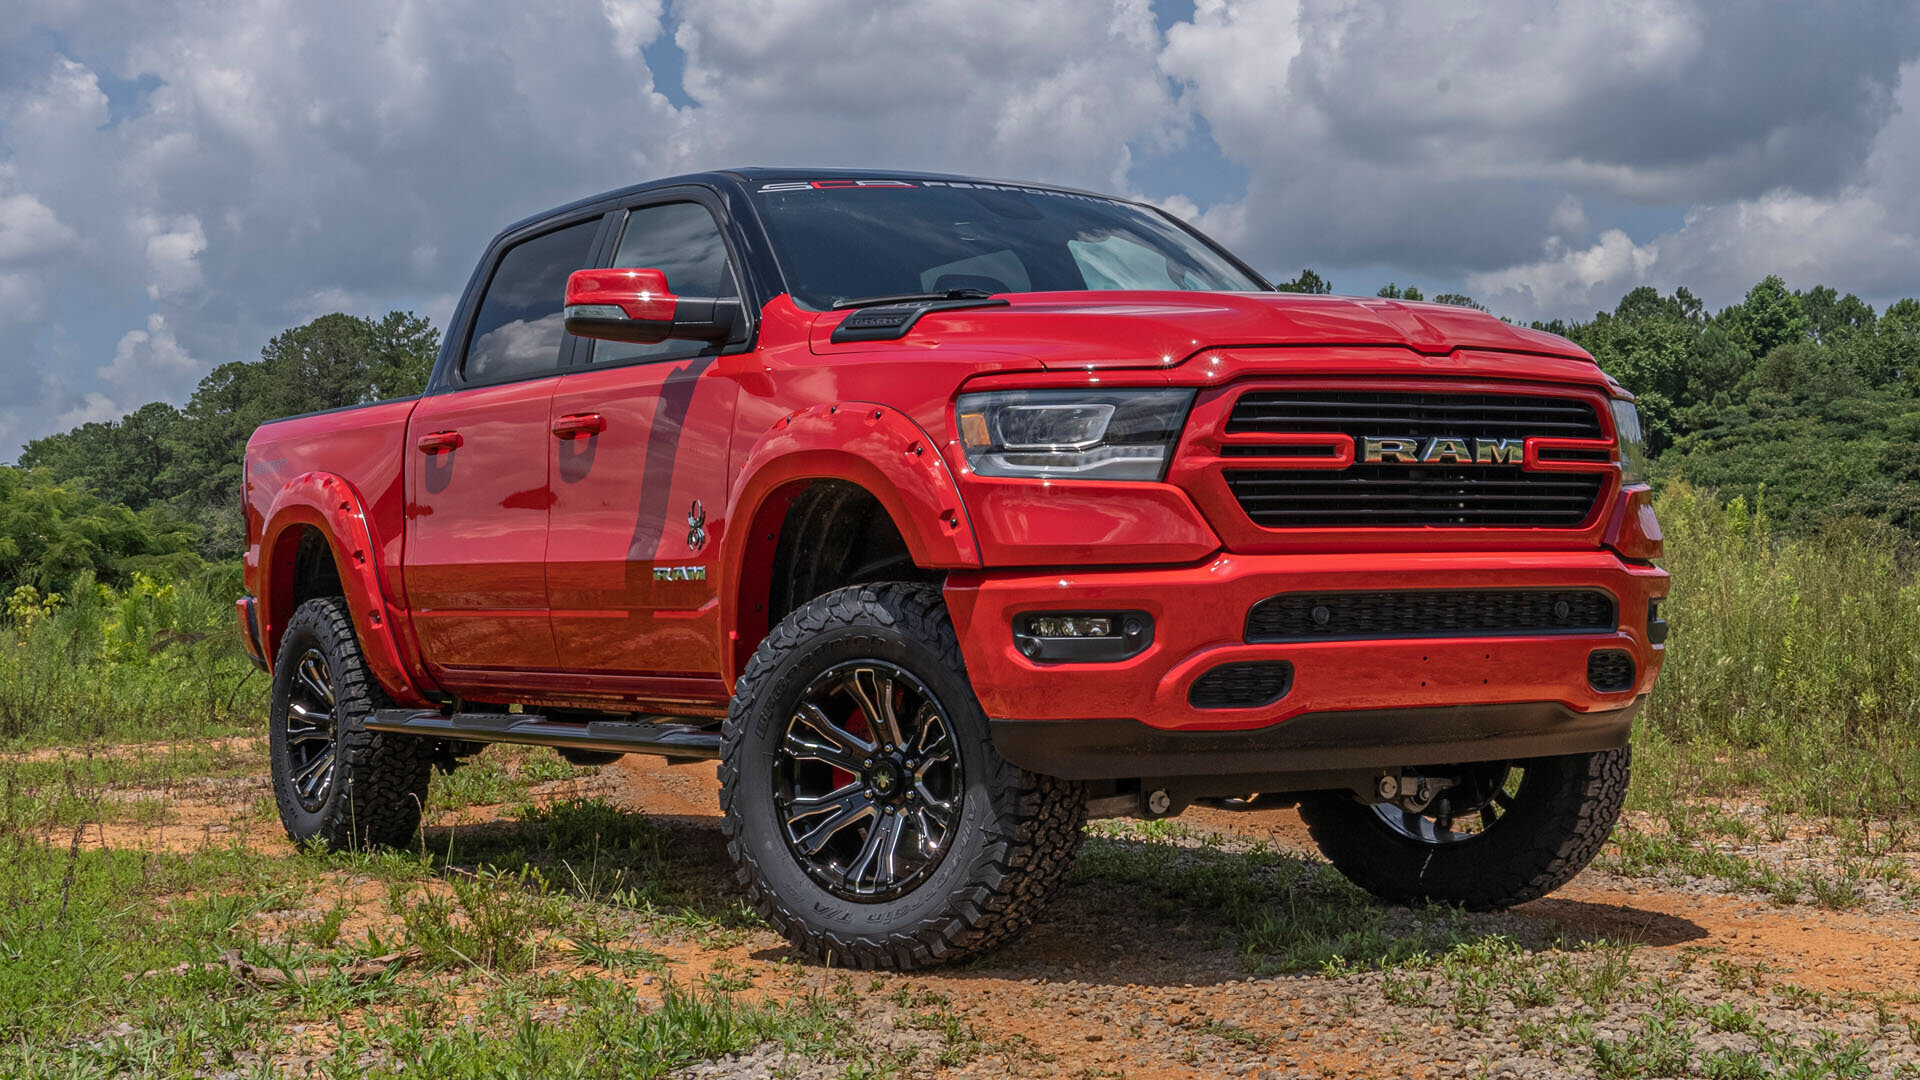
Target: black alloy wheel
x=868, y=814
x=334, y=781
x=309, y=729
x=868, y=781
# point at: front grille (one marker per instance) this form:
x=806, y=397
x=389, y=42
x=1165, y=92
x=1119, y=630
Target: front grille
x=1610, y=670
x=1245, y=685
x=1386, y=495
x=1403, y=494
x=1430, y=613
x=1361, y=413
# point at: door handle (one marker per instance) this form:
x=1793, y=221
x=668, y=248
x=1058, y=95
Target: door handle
x=579, y=425
x=439, y=442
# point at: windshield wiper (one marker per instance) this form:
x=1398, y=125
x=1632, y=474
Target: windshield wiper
x=912, y=298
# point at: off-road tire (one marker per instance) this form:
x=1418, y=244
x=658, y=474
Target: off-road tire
x=1563, y=813
x=1018, y=831
x=380, y=782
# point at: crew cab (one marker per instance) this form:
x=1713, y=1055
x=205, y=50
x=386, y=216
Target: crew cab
x=945, y=513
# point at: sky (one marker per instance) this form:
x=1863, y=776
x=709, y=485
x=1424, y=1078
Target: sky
x=181, y=180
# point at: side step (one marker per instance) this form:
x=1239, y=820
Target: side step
x=658, y=736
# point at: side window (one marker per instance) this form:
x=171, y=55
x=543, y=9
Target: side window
x=681, y=241
x=521, y=324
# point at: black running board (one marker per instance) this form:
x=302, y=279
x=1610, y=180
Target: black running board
x=662, y=736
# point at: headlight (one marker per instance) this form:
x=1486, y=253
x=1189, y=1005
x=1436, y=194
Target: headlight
x=1090, y=435
x=1632, y=442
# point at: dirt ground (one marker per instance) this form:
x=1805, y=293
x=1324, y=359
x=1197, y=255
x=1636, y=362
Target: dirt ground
x=1099, y=989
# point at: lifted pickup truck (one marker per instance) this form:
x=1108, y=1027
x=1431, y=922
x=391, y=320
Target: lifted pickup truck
x=946, y=513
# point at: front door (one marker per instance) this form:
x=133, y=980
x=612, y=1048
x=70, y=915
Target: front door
x=477, y=461
x=640, y=492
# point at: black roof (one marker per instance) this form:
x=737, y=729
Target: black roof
x=773, y=174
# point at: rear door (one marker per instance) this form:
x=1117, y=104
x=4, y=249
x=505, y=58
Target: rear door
x=478, y=457
x=638, y=506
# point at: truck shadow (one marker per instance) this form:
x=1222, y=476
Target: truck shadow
x=1132, y=911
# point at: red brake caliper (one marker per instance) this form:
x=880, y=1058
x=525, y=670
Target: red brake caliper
x=856, y=725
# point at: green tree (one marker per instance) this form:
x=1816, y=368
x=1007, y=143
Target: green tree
x=122, y=461
x=50, y=533
x=1645, y=304
x=1457, y=300
x=1833, y=319
x=1307, y=282
x=1651, y=356
x=331, y=362
x=1392, y=291
x=1769, y=316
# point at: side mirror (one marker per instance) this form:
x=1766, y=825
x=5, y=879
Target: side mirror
x=635, y=305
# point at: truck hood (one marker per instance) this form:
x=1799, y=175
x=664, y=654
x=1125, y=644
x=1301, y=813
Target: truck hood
x=1153, y=329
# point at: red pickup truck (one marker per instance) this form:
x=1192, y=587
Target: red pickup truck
x=945, y=513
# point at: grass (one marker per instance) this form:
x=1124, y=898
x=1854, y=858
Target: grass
x=116, y=962
x=550, y=937
x=149, y=662
x=1281, y=912
x=1793, y=670
x=553, y=941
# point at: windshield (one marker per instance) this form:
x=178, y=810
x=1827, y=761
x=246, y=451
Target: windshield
x=840, y=240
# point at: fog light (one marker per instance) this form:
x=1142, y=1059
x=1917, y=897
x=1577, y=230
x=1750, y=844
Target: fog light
x=1071, y=626
x=1082, y=636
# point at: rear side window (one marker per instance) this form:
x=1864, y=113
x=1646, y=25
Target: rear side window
x=521, y=324
x=682, y=241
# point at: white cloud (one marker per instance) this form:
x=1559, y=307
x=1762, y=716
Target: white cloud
x=258, y=163
x=29, y=229
x=1864, y=238
x=147, y=363
x=173, y=251
x=635, y=24
x=1052, y=91
x=21, y=297
x=1569, y=219
x=95, y=407
x=1567, y=280
x=1448, y=139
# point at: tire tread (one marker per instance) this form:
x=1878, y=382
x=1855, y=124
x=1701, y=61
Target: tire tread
x=1561, y=840
x=383, y=776
x=1019, y=868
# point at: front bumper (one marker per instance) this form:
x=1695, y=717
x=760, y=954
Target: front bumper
x=1199, y=612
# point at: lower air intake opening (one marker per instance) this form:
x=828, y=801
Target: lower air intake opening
x=1245, y=685
x=1610, y=671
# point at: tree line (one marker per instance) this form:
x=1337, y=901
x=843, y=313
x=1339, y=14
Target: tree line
x=159, y=488
x=1808, y=401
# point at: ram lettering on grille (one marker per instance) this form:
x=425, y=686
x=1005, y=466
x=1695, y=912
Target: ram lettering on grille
x=1420, y=459
x=1443, y=450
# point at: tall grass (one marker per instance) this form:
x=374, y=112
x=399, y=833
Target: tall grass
x=151, y=661
x=1792, y=662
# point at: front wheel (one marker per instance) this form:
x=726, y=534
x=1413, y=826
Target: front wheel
x=869, y=817
x=1503, y=833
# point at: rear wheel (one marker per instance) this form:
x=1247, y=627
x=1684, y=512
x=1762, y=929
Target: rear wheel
x=1500, y=834
x=869, y=817
x=334, y=780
